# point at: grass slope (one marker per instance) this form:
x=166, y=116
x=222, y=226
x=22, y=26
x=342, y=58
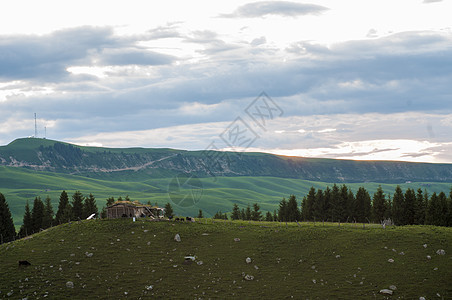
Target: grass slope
x=220, y=193
x=141, y=259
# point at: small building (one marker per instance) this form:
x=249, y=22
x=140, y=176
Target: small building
x=129, y=209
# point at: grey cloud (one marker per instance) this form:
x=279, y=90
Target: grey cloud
x=133, y=57
x=431, y=1
x=281, y=8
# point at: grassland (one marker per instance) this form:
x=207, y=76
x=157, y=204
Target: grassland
x=220, y=193
x=114, y=259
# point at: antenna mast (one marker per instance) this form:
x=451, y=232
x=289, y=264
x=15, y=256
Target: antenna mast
x=36, y=128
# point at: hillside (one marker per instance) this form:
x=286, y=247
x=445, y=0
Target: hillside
x=115, y=259
x=136, y=163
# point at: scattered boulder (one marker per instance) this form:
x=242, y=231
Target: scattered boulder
x=70, y=284
x=248, y=260
x=149, y=287
x=390, y=260
x=236, y=240
x=429, y=257
x=421, y=298
x=386, y=292
x=338, y=256
x=199, y=263
x=402, y=253
x=248, y=277
x=425, y=245
x=88, y=254
x=392, y=287
x=441, y=252
x=177, y=237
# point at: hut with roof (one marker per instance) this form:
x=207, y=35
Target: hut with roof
x=129, y=209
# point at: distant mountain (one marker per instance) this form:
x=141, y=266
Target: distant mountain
x=115, y=163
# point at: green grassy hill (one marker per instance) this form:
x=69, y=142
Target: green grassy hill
x=220, y=193
x=115, y=259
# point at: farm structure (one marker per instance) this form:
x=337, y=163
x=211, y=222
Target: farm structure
x=129, y=209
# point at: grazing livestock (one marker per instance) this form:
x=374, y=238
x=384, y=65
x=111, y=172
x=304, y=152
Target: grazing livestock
x=24, y=263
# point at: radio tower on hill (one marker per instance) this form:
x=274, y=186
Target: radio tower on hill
x=36, y=128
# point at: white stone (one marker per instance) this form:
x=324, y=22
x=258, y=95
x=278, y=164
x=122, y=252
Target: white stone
x=390, y=260
x=392, y=287
x=177, y=237
x=199, y=263
x=236, y=239
x=425, y=245
x=429, y=257
x=440, y=252
x=421, y=298
x=386, y=292
x=248, y=260
x=338, y=256
x=249, y=277
x=70, y=284
x=149, y=287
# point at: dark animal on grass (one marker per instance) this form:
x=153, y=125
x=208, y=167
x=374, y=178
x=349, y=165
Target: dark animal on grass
x=177, y=219
x=188, y=219
x=24, y=263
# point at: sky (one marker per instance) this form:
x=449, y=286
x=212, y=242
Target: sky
x=352, y=79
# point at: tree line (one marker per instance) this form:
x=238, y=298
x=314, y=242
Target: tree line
x=340, y=204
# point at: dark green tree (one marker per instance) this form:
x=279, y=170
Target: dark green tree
x=48, y=213
x=248, y=213
x=200, y=215
x=442, y=211
x=335, y=211
x=350, y=204
x=319, y=206
x=362, y=212
x=256, y=215
x=398, y=205
x=64, y=212
x=242, y=214
x=432, y=210
x=275, y=216
x=27, y=226
x=37, y=215
x=77, y=205
x=235, y=212
x=409, y=207
x=308, y=207
x=7, y=230
x=169, y=213
x=283, y=211
x=89, y=206
x=293, y=213
x=378, y=205
x=268, y=217
x=419, y=208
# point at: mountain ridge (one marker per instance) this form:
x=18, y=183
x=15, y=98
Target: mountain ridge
x=100, y=162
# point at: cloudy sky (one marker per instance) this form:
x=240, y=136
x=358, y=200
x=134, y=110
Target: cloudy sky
x=346, y=79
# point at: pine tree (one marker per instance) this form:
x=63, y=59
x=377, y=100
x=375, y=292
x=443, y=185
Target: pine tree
x=27, y=226
x=350, y=204
x=378, y=205
x=248, y=213
x=64, y=212
x=268, y=217
x=37, y=215
x=398, y=206
x=432, y=207
x=442, y=211
x=168, y=210
x=200, y=215
x=77, y=205
x=275, y=216
x=283, y=211
x=89, y=206
x=335, y=211
x=242, y=214
x=308, y=208
x=419, y=208
x=318, y=208
x=48, y=213
x=235, y=212
x=7, y=230
x=293, y=213
x=256, y=215
x=362, y=211
x=409, y=206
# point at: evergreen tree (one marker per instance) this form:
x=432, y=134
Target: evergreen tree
x=48, y=213
x=419, y=208
x=77, y=205
x=200, y=215
x=256, y=215
x=409, y=207
x=308, y=208
x=378, y=205
x=350, y=204
x=7, y=230
x=64, y=212
x=303, y=207
x=398, y=206
x=242, y=214
x=275, y=216
x=218, y=215
x=168, y=210
x=111, y=200
x=248, y=213
x=37, y=215
x=327, y=204
x=335, y=210
x=442, y=210
x=449, y=215
x=362, y=211
x=89, y=206
x=388, y=212
x=268, y=217
x=27, y=226
x=432, y=210
x=293, y=213
x=235, y=212
x=319, y=205
x=283, y=210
